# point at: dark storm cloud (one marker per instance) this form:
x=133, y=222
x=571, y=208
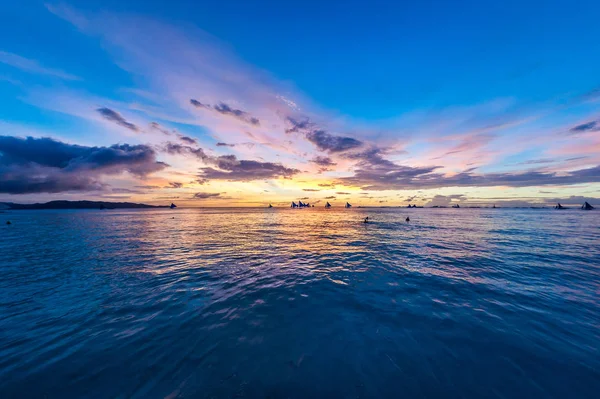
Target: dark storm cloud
x=206, y=195
x=243, y=116
x=198, y=104
x=592, y=126
x=228, y=167
x=35, y=165
x=117, y=118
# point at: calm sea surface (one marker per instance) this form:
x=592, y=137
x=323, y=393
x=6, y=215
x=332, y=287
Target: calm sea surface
x=307, y=303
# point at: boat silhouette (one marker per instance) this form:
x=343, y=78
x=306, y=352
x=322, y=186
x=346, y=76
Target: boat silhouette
x=270, y=206
x=328, y=205
x=559, y=206
x=455, y=206
x=587, y=207
x=173, y=206
x=348, y=205
x=294, y=205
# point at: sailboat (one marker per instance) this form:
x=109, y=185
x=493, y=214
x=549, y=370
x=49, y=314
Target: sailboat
x=455, y=206
x=173, y=206
x=270, y=206
x=559, y=206
x=348, y=205
x=587, y=207
x=328, y=205
x=294, y=205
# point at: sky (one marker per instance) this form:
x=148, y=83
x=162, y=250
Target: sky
x=266, y=102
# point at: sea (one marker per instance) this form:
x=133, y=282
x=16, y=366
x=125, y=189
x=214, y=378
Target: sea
x=300, y=303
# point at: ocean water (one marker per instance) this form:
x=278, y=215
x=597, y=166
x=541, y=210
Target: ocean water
x=307, y=303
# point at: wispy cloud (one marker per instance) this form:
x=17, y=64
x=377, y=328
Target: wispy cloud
x=33, y=66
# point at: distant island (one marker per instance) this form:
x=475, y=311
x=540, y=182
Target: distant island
x=77, y=205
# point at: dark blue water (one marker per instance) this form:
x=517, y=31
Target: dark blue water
x=300, y=303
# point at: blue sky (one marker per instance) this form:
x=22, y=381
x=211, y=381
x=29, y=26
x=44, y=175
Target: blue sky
x=447, y=98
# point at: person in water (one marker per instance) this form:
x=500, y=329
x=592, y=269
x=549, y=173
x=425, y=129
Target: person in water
x=366, y=220
x=8, y=222
x=407, y=219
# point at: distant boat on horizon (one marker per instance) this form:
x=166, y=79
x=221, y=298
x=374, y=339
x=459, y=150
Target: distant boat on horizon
x=455, y=206
x=328, y=205
x=173, y=206
x=559, y=206
x=587, y=207
x=294, y=205
x=270, y=206
x=348, y=205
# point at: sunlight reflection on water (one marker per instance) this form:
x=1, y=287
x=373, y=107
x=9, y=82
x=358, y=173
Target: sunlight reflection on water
x=300, y=303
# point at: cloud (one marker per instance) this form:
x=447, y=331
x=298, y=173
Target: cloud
x=330, y=143
x=179, y=149
x=37, y=165
x=342, y=193
x=187, y=139
x=206, y=195
x=310, y=189
x=148, y=187
x=536, y=161
x=325, y=163
x=323, y=140
x=166, y=132
x=225, y=145
x=224, y=109
x=198, y=104
x=243, y=116
x=327, y=185
x=295, y=126
x=32, y=66
x=444, y=200
x=228, y=167
x=158, y=127
x=330, y=197
x=592, y=126
x=175, y=185
x=117, y=118
x=376, y=173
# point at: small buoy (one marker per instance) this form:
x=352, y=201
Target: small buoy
x=8, y=222
x=407, y=219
